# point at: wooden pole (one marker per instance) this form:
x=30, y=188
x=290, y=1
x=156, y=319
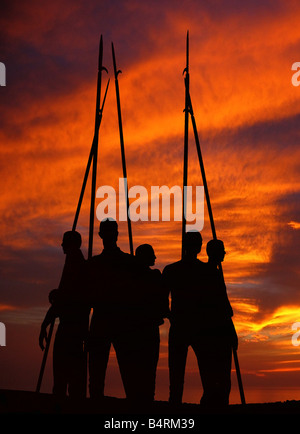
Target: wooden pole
x=90, y=159
x=95, y=152
x=186, y=139
x=45, y=355
x=116, y=73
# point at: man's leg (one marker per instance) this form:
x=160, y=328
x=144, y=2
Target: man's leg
x=178, y=349
x=60, y=364
x=128, y=351
x=214, y=361
x=99, y=348
x=77, y=368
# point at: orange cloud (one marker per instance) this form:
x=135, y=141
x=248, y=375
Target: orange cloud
x=7, y=307
x=294, y=225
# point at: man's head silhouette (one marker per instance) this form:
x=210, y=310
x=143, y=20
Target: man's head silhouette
x=145, y=254
x=108, y=231
x=192, y=243
x=215, y=250
x=71, y=241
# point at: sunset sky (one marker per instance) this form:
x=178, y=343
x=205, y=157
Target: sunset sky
x=248, y=118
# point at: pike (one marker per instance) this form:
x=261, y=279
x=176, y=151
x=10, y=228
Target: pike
x=92, y=157
x=213, y=229
x=98, y=117
x=116, y=73
x=186, y=138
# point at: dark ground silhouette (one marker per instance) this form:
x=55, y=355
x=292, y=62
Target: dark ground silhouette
x=24, y=402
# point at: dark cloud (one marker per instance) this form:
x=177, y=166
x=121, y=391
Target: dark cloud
x=280, y=277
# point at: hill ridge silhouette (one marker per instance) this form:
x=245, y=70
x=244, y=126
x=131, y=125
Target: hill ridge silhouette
x=27, y=402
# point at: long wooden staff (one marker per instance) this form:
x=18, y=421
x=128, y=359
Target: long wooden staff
x=186, y=140
x=116, y=73
x=98, y=117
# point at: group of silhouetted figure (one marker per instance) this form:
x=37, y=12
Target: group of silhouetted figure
x=129, y=300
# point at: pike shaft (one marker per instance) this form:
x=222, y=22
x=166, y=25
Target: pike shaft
x=116, y=72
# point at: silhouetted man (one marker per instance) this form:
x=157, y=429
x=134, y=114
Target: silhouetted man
x=111, y=275
x=69, y=356
x=217, y=364
x=152, y=308
x=199, y=310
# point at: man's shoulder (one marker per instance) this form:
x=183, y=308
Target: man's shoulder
x=154, y=273
x=172, y=269
x=96, y=262
x=183, y=268
x=182, y=264
x=126, y=255
x=126, y=258
x=95, y=258
x=201, y=264
x=117, y=257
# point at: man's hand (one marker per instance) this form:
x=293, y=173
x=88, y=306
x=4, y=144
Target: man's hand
x=52, y=297
x=43, y=337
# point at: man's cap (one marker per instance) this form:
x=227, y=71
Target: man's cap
x=72, y=237
x=192, y=238
x=214, y=247
x=108, y=224
x=144, y=250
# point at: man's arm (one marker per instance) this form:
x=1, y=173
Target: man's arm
x=166, y=288
x=49, y=317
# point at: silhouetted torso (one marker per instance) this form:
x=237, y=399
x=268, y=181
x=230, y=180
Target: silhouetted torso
x=151, y=298
x=69, y=301
x=111, y=295
x=217, y=304
x=111, y=275
x=198, y=295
